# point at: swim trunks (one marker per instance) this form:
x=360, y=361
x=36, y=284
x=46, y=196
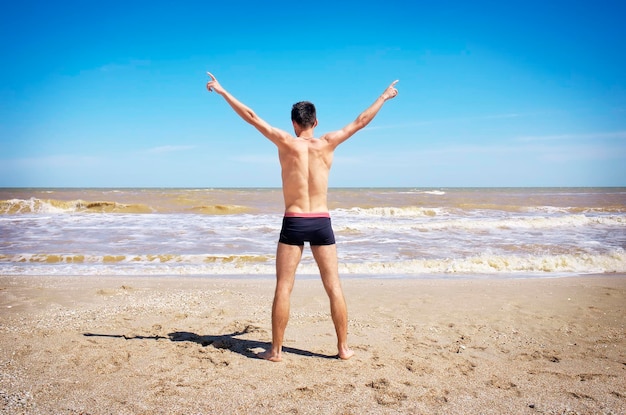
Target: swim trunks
x=314, y=228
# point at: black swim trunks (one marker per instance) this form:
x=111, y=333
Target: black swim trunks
x=314, y=228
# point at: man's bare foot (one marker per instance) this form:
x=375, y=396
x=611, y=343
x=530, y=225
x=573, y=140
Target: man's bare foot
x=345, y=353
x=271, y=356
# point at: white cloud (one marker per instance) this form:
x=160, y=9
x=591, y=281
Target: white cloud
x=444, y=121
x=342, y=159
x=54, y=161
x=256, y=158
x=169, y=149
x=573, y=137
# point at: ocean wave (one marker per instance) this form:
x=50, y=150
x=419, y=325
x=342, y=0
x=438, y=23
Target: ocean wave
x=528, y=222
x=575, y=210
x=426, y=192
x=46, y=206
x=236, y=260
x=259, y=265
x=499, y=264
x=220, y=209
x=473, y=223
x=52, y=206
x=465, y=209
x=411, y=211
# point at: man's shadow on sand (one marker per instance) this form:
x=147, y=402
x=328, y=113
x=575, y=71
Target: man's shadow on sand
x=230, y=342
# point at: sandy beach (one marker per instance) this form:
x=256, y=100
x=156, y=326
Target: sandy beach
x=135, y=345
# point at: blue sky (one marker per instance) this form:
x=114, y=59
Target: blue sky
x=112, y=94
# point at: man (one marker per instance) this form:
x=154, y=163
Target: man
x=305, y=162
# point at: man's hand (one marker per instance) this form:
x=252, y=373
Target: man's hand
x=390, y=92
x=213, y=85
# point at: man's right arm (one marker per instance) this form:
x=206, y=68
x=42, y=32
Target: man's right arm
x=337, y=137
x=275, y=135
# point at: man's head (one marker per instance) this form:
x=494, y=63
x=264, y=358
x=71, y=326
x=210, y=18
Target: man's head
x=303, y=114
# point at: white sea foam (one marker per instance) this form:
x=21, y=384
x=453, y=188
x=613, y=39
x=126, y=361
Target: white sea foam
x=406, y=212
x=492, y=264
x=32, y=205
x=264, y=265
x=522, y=222
x=428, y=192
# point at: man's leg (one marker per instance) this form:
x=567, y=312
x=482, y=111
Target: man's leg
x=326, y=258
x=287, y=260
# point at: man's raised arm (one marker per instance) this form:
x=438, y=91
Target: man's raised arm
x=274, y=134
x=337, y=137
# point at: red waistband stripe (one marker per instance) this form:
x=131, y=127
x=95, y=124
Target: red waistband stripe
x=307, y=215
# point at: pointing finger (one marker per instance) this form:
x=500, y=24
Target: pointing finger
x=394, y=83
x=211, y=75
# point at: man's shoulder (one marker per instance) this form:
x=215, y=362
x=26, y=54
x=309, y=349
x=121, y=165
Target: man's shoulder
x=331, y=138
x=321, y=142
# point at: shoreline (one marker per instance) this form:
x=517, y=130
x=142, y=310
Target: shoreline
x=173, y=345
x=452, y=276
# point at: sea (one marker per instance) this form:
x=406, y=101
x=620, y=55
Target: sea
x=380, y=232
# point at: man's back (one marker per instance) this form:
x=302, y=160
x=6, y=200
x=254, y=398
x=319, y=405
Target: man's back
x=305, y=164
x=305, y=160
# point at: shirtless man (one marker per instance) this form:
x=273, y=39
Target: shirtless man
x=305, y=162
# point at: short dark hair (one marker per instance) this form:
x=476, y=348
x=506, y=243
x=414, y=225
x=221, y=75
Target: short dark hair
x=303, y=113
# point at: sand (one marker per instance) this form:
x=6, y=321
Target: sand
x=113, y=345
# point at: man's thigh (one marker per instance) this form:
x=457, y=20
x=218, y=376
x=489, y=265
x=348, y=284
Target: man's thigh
x=326, y=258
x=287, y=260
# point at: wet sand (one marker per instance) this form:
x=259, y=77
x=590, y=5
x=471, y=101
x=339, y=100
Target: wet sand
x=113, y=345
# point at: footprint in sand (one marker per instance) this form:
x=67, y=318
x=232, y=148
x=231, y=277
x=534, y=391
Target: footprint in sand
x=385, y=395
